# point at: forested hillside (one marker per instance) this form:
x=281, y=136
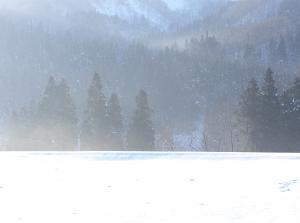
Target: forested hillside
x=170, y=75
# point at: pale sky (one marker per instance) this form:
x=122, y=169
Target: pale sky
x=175, y=4
x=25, y=4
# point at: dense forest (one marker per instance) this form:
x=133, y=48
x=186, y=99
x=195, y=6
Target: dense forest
x=223, y=80
x=52, y=123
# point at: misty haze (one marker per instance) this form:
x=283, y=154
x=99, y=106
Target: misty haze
x=160, y=75
x=157, y=75
x=149, y=111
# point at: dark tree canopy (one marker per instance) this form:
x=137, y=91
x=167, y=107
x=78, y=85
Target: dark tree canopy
x=56, y=116
x=115, y=123
x=94, y=129
x=141, y=135
x=249, y=104
x=271, y=122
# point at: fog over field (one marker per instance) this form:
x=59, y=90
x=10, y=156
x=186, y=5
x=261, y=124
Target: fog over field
x=185, y=75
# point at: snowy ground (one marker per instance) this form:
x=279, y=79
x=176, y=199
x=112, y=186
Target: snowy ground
x=149, y=188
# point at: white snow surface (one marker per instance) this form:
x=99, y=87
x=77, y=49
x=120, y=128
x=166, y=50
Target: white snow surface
x=149, y=187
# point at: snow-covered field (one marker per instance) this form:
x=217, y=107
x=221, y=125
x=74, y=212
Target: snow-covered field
x=149, y=188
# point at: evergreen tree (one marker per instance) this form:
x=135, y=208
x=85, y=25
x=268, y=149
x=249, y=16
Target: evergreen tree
x=141, y=134
x=115, y=123
x=46, y=118
x=291, y=117
x=56, y=118
x=296, y=43
x=272, y=51
x=19, y=131
x=66, y=116
x=249, y=105
x=249, y=53
x=270, y=115
x=282, y=50
x=47, y=104
x=94, y=130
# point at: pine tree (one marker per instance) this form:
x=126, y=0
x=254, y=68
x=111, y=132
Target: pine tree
x=47, y=104
x=19, y=131
x=272, y=51
x=141, y=134
x=291, y=116
x=94, y=129
x=115, y=123
x=249, y=53
x=270, y=115
x=66, y=115
x=296, y=43
x=282, y=50
x=46, y=118
x=249, y=105
x=56, y=118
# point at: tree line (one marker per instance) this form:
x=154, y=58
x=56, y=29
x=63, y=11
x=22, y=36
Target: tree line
x=52, y=123
x=270, y=121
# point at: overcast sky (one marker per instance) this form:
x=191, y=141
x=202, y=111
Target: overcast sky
x=26, y=4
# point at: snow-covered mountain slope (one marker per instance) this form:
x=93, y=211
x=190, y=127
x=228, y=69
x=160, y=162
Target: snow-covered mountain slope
x=251, y=11
x=256, y=21
x=156, y=12
x=159, y=13
x=136, y=18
